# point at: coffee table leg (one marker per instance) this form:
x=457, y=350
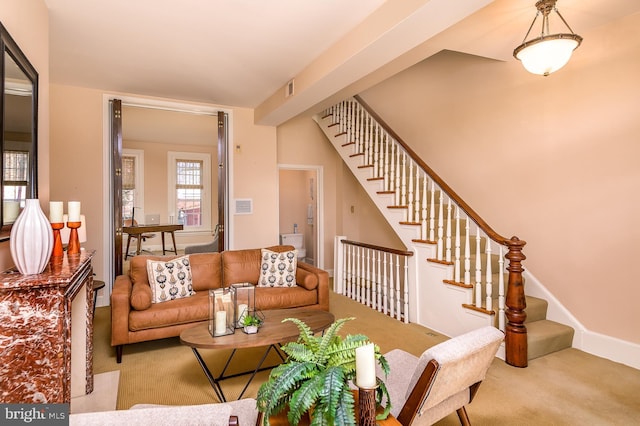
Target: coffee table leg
x=212, y=380
x=257, y=369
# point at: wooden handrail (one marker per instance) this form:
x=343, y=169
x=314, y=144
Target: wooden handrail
x=379, y=248
x=516, y=350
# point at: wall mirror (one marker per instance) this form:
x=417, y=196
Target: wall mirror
x=18, y=131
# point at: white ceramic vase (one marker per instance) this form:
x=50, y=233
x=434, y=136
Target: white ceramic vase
x=31, y=240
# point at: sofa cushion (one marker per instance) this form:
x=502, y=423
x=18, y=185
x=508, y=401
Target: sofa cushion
x=170, y=279
x=243, y=266
x=285, y=297
x=306, y=279
x=173, y=312
x=141, y=296
x=278, y=269
x=206, y=271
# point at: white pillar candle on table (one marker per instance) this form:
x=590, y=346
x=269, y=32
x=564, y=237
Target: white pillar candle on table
x=221, y=322
x=74, y=211
x=242, y=312
x=55, y=211
x=366, y=366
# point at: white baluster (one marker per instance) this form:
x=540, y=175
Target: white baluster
x=385, y=286
x=448, y=245
x=410, y=194
x=386, y=161
x=349, y=272
x=397, y=189
x=467, y=256
x=406, y=289
x=489, y=280
x=456, y=267
x=391, y=286
x=432, y=213
x=478, y=286
x=376, y=151
x=403, y=198
x=416, y=202
x=368, y=294
x=398, y=312
x=425, y=196
x=378, y=282
x=440, y=226
x=501, y=319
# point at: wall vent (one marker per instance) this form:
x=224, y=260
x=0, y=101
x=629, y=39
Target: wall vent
x=244, y=205
x=289, y=89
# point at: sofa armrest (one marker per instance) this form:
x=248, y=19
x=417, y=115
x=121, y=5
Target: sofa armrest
x=120, y=308
x=323, y=284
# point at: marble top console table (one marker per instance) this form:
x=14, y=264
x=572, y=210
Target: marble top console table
x=46, y=332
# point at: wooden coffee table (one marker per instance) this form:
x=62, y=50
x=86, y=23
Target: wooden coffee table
x=272, y=332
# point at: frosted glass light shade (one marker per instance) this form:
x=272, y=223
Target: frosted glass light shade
x=547, y=54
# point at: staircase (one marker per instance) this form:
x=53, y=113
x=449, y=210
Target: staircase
x=457, y=281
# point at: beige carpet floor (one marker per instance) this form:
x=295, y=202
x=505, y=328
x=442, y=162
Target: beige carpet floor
x=569, y=387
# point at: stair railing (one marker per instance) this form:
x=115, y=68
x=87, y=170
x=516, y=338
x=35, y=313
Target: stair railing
x=441, y=214
x=375, y=276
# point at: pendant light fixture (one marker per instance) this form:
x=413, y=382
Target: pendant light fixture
x=549, y=52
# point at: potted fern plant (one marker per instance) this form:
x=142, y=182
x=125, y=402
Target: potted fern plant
x=315, y=378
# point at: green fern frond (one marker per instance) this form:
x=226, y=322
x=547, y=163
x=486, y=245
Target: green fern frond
x=282, y=386
x=334, y=382
x=298, y=351
x=330, y=338
x=383, y=393
x=304, y=398
x=306, y=334
x=345, y=409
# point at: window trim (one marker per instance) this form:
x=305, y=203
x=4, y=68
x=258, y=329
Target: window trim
x=205, y=158
x=138, y=155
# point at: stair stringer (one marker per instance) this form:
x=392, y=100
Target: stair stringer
x=432, y=303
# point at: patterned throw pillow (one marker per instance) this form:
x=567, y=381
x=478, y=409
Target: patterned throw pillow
x=170, y=279
x=278, y=269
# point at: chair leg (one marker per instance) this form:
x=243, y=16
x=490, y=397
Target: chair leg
x=462, y=415
x=119, y=353
x=126, y=253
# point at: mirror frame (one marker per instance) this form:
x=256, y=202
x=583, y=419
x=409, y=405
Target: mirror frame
x=9, y=46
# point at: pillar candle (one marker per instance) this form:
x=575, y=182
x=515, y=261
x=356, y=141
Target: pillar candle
x=242, y=312
x=366, y=366
x=55, y=211
x=74, y=211
x=221, y=322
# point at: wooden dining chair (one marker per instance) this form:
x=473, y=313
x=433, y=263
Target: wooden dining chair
x=444, y=379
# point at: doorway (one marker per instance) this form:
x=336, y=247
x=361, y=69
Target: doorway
x=300, y=208
x=219, y=140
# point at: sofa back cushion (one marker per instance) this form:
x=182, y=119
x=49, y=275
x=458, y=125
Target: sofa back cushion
x=243, y=266
x=205, y=274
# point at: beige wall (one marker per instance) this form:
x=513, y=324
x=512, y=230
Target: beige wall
x=79, y=168
x=553, y=160
x=301, y=142
x=28, y=24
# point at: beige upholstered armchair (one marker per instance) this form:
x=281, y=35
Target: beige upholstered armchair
x=444, y=379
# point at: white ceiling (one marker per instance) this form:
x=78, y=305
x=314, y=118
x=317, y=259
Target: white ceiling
x=229, y=52
x=240, y=52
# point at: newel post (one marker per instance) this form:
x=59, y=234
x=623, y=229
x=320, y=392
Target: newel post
x=515, y=330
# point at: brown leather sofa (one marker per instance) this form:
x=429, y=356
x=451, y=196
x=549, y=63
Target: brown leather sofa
x=135, y=319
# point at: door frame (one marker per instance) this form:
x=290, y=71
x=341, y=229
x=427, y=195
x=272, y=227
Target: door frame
x=107, y=190
x=319, y=188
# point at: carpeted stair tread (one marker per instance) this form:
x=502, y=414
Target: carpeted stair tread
x=536, y=309
x=546, y=336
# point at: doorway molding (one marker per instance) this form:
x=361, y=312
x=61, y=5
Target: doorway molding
x=319, y=188
x=107, y=190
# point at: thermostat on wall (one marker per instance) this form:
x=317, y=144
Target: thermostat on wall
x=244, y=206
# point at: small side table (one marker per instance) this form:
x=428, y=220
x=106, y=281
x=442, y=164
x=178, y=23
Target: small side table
x=97, y=285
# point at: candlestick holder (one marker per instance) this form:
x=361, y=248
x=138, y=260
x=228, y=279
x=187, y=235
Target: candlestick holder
x=367, y=405
x=57, y=239
x=74, y=242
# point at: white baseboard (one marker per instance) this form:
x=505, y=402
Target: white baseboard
x=598, y=344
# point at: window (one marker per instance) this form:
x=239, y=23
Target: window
x=190, y=189
x=16, y=169
x=132, y=182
